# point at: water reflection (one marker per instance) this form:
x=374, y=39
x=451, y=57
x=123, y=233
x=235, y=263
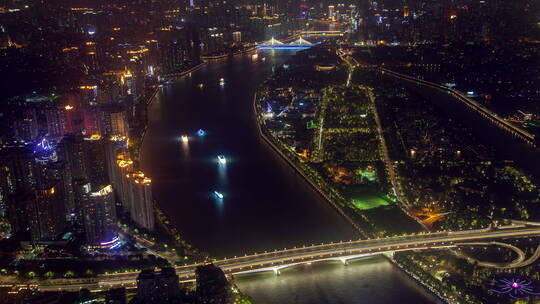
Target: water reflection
x=368, y=280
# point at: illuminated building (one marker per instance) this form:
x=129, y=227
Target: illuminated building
x=128, y=80
x=56, y=122
x=85, y=162
x=120, y=180
x=99, y=216
x=115, y=146
x=89, y=93
x=331, y=13
x=113, y=120
x=142, y=211
x=91, y=114
x=95, y=161
x=26, y=125
x=237, y=37
x=46, y=213
x=16, y=170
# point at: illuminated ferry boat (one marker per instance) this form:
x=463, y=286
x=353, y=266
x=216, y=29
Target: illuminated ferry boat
x=218, y=194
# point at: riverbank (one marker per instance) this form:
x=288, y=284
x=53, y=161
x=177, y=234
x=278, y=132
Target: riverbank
x=184, y=73
x=337, y=207
x=216, y=57
x=301, y=172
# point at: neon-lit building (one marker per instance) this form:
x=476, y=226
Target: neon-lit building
x=99, y=216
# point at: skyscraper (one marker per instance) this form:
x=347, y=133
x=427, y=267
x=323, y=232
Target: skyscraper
x=46, y=213
x=95, y=161
x=99, y=216
x=121, y=181
x=142, y=211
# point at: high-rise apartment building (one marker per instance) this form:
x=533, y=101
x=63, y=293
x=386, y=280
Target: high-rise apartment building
x=46, y=213
x=99, y=216
x=142, y=211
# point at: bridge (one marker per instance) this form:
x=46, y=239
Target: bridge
x=298, y=44
x=339, y=251
x=274, y=44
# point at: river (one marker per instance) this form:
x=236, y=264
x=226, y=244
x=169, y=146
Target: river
x=266, y=205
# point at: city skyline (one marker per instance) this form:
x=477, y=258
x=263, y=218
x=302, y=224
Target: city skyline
x=239, y=151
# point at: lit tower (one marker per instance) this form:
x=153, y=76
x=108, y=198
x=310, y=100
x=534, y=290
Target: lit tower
x=99, y=216
x=142, y=211
x=331, y=12
x=121, y=181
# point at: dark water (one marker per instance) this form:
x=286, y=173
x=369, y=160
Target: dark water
x=369, y=281
x=265, y=205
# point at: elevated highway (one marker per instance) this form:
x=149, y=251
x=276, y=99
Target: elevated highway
x=339, y=251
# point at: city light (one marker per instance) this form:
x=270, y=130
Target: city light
x=93, y=137
x=222, y=160
x=184, y=138
x=201, y=132
x=103, y=191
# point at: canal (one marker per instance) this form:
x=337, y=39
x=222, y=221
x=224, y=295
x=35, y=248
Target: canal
x=265, y=204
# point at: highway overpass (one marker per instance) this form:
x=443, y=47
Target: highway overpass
x=339, y=251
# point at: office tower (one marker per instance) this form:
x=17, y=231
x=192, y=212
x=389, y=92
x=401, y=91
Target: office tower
x=99, y=216
x=142, y=211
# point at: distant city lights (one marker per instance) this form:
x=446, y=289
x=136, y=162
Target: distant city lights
x=201, y=132
x=184, y=138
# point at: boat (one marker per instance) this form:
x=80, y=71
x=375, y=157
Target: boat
x=200, y=85
x=218, y=194
x=185, y=138
x=222, y=159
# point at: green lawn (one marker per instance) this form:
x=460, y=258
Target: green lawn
x=369, y=201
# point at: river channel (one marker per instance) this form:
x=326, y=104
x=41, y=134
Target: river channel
x=265, y=204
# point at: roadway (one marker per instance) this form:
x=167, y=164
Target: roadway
x=340, y=251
